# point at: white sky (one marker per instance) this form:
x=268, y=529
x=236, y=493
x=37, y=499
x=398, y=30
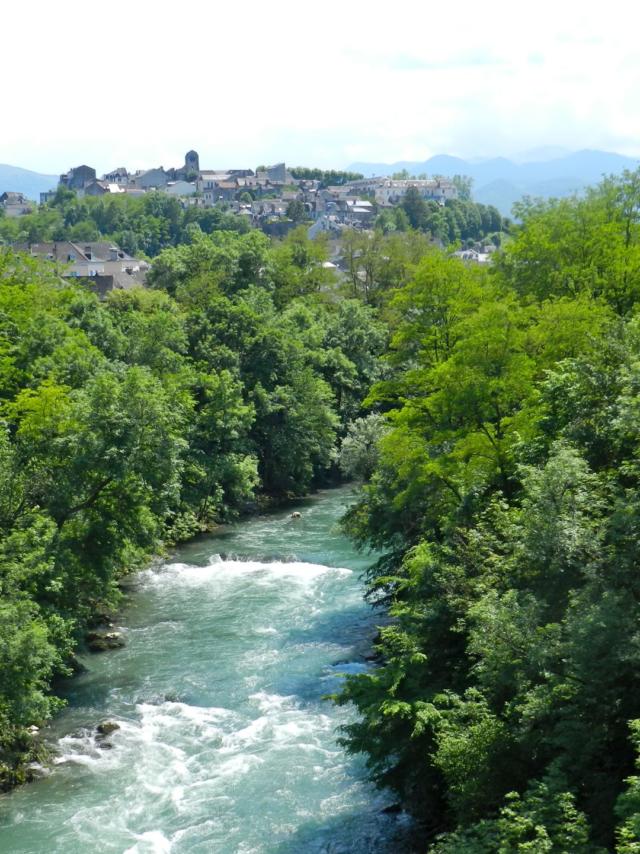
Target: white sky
x=137, y=83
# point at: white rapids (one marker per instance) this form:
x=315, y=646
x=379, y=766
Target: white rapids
x=226, y=741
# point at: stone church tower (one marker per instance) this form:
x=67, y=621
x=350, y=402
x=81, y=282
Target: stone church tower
x=191, y=163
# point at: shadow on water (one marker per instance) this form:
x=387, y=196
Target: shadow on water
x=349, y=627
x=90, y=688
x=353, y=833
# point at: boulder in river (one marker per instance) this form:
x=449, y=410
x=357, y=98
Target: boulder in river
x=392, y=809
x=102, y=641
x=35, y=770
x=75, y=665
x=107, y=727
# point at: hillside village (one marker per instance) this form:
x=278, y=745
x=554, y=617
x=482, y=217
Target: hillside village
x=274, y=199
x=266, y=196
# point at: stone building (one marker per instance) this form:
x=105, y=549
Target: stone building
x=15, y=204
x=119, y=176
x=151, y=179
x=78, y=177
x=191, y=167
x=101, y=265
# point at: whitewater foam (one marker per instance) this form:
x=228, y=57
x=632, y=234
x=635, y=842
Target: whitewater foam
x=151, y=842
x=218, y=571
x=225, y=744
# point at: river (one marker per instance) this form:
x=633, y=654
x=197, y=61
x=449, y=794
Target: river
x=226, y=743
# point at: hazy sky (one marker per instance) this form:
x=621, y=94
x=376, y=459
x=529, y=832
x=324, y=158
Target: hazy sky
x=138, y=83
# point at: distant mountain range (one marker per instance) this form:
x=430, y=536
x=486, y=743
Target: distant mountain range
x=501, y=182
x=23, y=181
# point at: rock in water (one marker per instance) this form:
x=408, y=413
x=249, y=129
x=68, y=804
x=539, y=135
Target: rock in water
x=107, y=727
x=392, y=809
x=102, y=641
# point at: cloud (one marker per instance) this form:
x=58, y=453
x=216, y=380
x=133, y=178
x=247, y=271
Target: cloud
x=250, y=82
x=402, y=61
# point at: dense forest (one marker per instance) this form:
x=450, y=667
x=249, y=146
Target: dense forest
x=505, y=497
x=492, y=414
x=459, y=220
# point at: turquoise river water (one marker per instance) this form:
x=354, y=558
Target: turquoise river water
x=226, y=743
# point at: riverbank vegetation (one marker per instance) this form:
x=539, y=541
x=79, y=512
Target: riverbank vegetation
x=505, y=496
x=493, y=413
x=147, y=417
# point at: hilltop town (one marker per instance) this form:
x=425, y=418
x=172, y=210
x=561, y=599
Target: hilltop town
x=265, y=195
x=274, y=199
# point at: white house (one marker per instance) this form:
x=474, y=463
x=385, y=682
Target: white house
x=179, y=188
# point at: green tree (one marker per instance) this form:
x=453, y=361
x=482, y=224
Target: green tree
x=359, y=449
x=414, y=207
x=296, y=211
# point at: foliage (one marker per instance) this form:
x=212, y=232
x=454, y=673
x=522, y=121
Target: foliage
x=141, y=225
x=358, y=454
x=494, y=413
x=376, y=263
x=578, y=245
x=505, y=498
x=544, y=819
x=149, y=416
x=457, y=220
x=464, y=186
x=326, y=177
x=296, y=211
x=628, y=805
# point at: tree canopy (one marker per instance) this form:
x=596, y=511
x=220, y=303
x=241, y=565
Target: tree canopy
x=141, y=225
x=504, y=497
